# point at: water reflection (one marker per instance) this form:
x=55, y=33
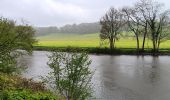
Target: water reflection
x=154, y=75
x=119, y=77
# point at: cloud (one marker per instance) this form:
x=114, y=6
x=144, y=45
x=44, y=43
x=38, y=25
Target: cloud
x=58, y=12
x=42, y=12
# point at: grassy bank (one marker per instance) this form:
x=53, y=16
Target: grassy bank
x=91, y=43
x=13, y=87
x=96, y=50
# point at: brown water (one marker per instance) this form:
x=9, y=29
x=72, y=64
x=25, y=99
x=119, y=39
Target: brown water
x=118, y=77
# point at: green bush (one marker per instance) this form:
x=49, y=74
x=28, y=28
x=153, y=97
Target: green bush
x=25, y=95
x=13, y=87
x=71, y=75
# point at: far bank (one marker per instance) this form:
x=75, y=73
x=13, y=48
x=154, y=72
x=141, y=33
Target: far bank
x=99, y=50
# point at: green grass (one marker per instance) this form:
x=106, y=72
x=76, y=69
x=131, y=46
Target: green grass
x=73, y=40
x=88, y=40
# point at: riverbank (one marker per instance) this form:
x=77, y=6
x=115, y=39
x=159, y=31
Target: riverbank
x=98, y=50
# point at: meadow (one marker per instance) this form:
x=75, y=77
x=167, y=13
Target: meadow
x=89, y=41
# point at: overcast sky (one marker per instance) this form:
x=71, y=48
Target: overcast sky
x=60, y=12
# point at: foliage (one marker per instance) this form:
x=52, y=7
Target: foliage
x=13, y=37
x=25, y=95
x=70, y=75
x=8, y=81
x=13, y=87
x=25, y=37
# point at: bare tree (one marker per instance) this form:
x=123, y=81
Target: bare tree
x=134, y=23
x=163, y=29
x=111, y=24
x=140, y=7
x=147, y=18
x=157, y=20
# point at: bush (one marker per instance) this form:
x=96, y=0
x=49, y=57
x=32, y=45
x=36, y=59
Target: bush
x=13, y=87
x=70, y=76
x=25, y=95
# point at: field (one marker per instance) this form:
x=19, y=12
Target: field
x=88, y=40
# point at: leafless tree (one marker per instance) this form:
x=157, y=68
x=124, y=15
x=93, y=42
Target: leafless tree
x=147, y=18
x=140, y=8
x=157, y=20
x=133, y=21
x=111, y=24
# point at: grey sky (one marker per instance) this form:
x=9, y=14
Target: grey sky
x=60, y=12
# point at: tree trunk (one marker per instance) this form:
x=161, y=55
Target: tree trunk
x=158, y=45
x=137, y=44
x=144, y=38
x=143, y=44
x=111, y=44
x=114, y=43
x=154, y=47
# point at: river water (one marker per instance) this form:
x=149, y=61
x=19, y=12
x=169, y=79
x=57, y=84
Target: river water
x=117, y=77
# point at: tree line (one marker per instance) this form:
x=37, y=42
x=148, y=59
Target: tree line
x=145, y=19
x=82, y=28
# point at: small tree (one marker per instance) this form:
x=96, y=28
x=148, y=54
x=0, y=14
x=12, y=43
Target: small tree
x=70, y=75
x=13, y=37
x=111, y=26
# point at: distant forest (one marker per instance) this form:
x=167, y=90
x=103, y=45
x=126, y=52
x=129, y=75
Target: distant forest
x=82, y=28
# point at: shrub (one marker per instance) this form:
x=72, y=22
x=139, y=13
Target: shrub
x=70, y=76
x=25, y=95
x=13, y=87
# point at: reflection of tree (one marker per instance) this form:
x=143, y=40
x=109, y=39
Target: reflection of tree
x=107, y=71
x=154, y=74
x=25, y=61
x=127, y=76
x=150, y=68
x=106, y=84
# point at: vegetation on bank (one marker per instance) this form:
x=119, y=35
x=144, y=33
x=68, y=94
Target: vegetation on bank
x=14, y=87
x=98, y=50
x=91, y=44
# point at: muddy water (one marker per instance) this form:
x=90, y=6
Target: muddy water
x=117, y=77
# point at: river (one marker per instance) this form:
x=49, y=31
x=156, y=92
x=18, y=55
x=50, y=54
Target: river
x=117, y=77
